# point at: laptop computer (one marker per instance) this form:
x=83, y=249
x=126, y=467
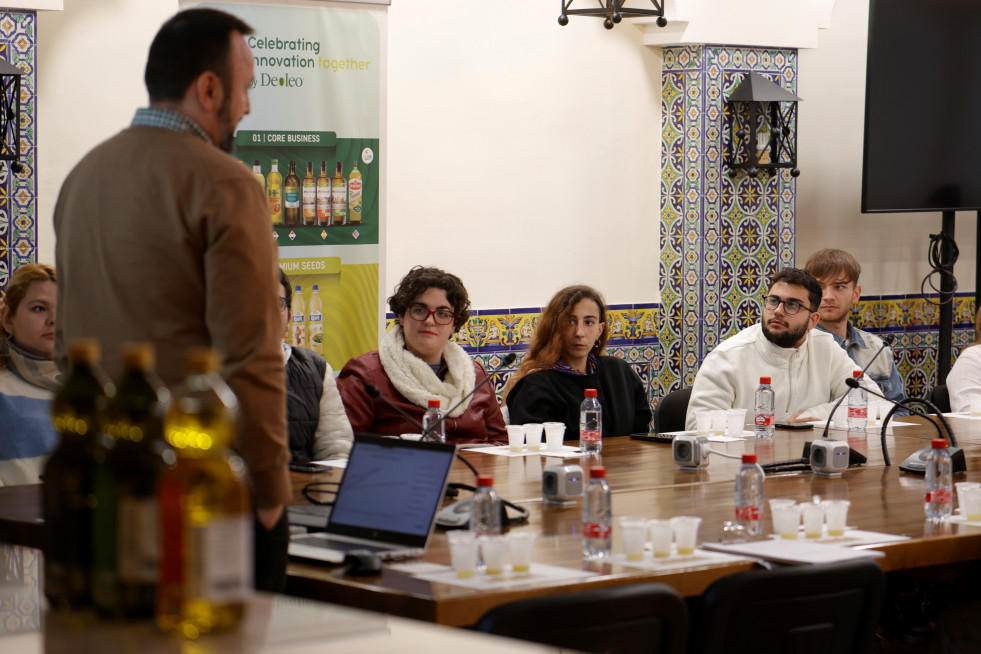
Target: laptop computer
x=386, y=502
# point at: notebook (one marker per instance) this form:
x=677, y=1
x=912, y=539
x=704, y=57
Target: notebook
x=386, y=502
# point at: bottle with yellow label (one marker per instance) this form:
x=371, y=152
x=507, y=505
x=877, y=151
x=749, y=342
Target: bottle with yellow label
x=323, y=196
x=315, y=333
x=338, y=196
x=354, y=193
x=274, y=193
x=68, y=497
x=291, y=197
x=205, y=514
x=309, y=197
x=298, y=330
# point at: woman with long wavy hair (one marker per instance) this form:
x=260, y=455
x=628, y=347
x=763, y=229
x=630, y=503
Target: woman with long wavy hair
x=566, y=358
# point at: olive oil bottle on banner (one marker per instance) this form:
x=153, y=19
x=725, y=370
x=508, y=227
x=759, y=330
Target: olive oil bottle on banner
x=77, y=412
x=323, y=196
x=354, y=193
x=291, y=197
x=309, y=197
x=338, y=196
x=315, y=333
x=274, y=193
x=127, y=538
x=298, y=330
x=257, y=173
x=205, y=515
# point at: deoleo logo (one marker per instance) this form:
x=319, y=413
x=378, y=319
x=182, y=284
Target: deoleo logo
x=265, y=79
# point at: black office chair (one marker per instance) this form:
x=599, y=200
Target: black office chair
x=940, y=397
x=648, y=618
x=812, y=609
x=669, y=412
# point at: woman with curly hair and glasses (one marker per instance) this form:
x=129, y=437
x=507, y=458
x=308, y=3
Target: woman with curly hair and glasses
x=28, y=376
x=417, y=361
x=566, y=358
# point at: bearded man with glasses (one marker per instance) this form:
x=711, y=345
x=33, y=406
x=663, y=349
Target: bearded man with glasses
x=807, y=368
x=418, y=361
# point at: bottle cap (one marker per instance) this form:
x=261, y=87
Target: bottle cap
x=316, y=287
x=590, y=392
x=749, y=458
x=138, y=356
x=433, y=403
x=938, y=444
x=485, y=480
x=297, y=288
x=597, y=472
x=256, y=162
x=857, y=374
x=84, y=351
x=199, y=360
x=764, y=380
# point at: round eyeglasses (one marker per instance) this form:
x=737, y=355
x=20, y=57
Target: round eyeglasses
x=282, y=304
x=421, y=312
x=790, y=307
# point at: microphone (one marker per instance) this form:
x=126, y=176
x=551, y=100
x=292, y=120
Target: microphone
x=915, y=463
x=887, y=340
x=506, y=361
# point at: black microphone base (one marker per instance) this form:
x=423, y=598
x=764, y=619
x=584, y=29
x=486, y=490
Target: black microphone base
x=915, y=464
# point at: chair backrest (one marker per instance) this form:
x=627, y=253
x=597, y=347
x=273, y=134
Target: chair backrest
x=669, y=412
x=805, y=609
x=940, y=397
x=643, y=618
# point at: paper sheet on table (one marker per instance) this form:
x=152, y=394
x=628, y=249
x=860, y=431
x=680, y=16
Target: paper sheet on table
x=505, y=450
x=851, y=537
x=713, y=438
x=964, y=415
x=539, y=572
x=673, y=562
x=794, y=551
x=964, y=521
x=340, y=464
x=873, y=425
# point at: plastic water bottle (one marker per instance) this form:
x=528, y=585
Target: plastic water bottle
x=765, y=400
x=939, y=482
x=590, y=423
x=597, y=515
x=858, y=406
x=433, y=417
x=486, y=508
x=749, y=495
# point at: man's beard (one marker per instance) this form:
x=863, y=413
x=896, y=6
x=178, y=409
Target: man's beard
x=227, y=142
x=789, y=338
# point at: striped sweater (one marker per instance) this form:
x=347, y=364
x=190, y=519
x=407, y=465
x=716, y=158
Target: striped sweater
x=26, y=434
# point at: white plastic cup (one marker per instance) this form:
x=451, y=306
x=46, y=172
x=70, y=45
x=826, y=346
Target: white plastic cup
x=633, y=532
x=812, y=514
x=959, y=487
x=874, y=409
x=516, y=437
x=840, y=418
x=971, y=507
x=533, y=436
x=554, y=435
x=493, y=551
x=520, y=545
x=463, y=552
x=786, y=520
x=836, y=516
x=661, y=536
x=735, y=422
x=703, y=422
x=718, y=422
x=685, y=533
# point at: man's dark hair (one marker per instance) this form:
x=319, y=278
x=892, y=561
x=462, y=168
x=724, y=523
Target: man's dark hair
x=284, y=281
x=420, y=279
x=800, y=277
x=190, y=43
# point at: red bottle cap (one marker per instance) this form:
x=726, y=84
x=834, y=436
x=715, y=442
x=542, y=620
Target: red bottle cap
x=485, y=480
x=749, y=458
x=597, y=472
x=433, y=403
x=764, y=380
x=857, y=374
x=938, y=444
x=590, y=392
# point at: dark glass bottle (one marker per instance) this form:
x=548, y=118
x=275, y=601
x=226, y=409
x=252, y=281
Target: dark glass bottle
x=69, y=499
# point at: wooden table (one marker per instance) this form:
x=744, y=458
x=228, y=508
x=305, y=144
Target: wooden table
x=646, y=482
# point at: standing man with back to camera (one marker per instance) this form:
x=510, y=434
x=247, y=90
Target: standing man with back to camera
x=163, y=237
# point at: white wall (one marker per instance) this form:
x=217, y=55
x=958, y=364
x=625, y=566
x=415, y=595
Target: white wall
x=892, y=248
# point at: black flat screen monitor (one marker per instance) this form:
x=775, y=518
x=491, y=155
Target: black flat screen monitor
x=923, y=106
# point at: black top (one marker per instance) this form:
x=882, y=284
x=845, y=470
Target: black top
x=305, y=372
x=553, y=396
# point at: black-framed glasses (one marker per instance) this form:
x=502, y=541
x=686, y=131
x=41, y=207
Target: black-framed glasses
x=421, y=312
x=790, y=307
x=282, y=304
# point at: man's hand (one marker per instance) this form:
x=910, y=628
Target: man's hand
x=269, y=517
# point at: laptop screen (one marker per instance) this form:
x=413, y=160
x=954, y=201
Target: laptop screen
x=391, y=489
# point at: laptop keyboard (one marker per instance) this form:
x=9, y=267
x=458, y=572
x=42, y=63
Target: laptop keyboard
x=339, y=545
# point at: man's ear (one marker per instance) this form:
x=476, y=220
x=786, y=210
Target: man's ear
x=209, y=94
x=813, y=320
x=857, y=293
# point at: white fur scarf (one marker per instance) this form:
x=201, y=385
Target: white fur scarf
x=416, y=380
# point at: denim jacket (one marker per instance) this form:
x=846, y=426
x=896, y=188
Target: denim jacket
x=861, y=346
